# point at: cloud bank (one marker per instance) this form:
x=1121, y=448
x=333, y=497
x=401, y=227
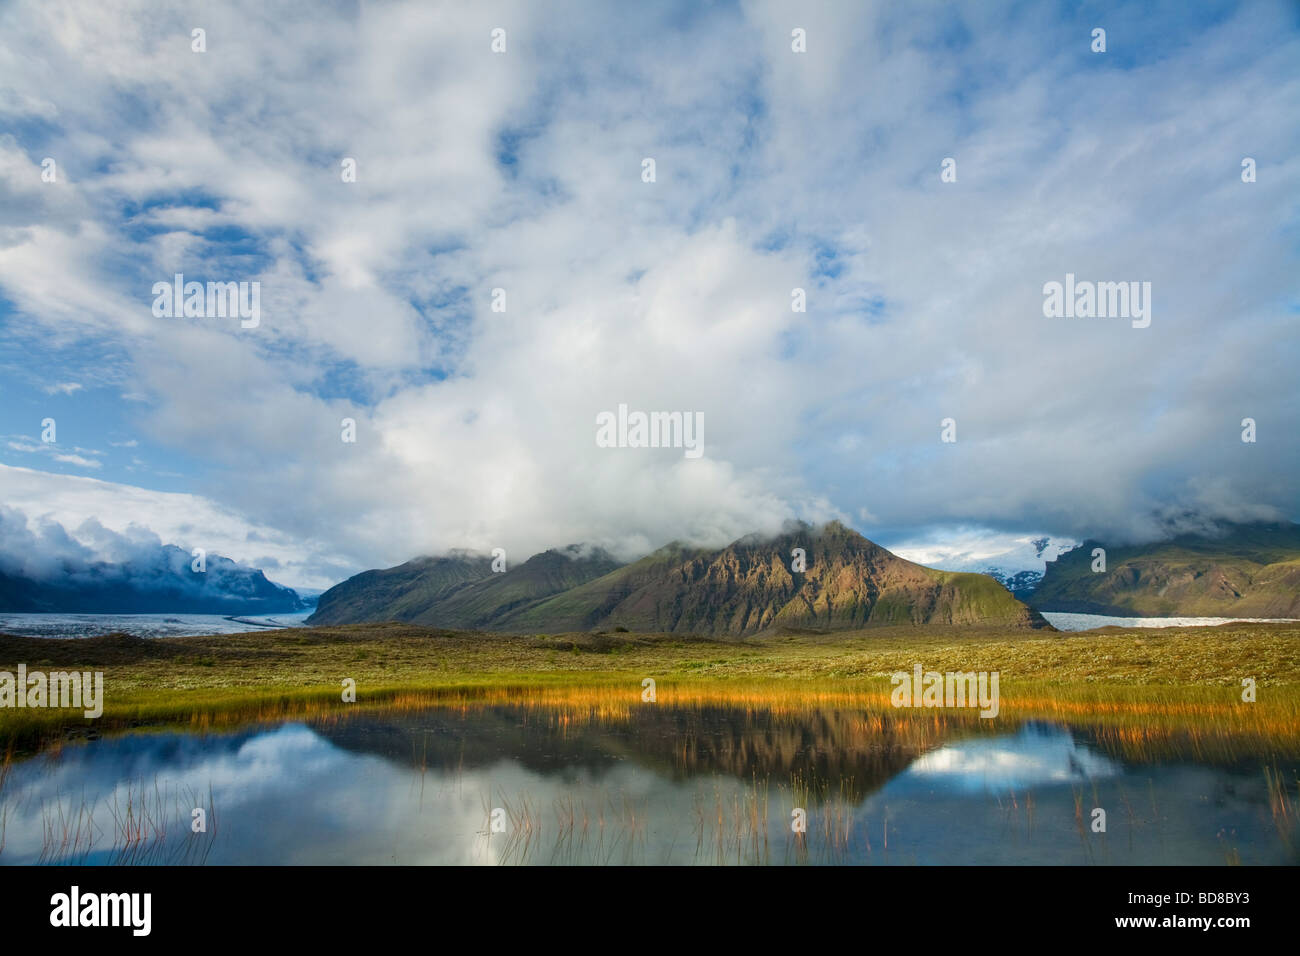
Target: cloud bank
x=46, y=568
x=775, y=170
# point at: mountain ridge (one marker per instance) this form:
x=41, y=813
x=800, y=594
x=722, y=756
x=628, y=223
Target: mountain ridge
x=748, y=587
x=165, y=583
x=1244, y=570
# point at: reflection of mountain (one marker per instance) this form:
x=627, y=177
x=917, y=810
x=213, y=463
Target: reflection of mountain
x=853, y=751
x=819, y=578
x=353, y=791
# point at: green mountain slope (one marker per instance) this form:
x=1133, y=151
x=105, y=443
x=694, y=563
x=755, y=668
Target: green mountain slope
x=1247, y=571
x=402, y=593
x=589, y=604
x=487, y=603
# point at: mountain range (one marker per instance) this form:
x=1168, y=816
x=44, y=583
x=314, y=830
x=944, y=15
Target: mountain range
x=1238, y=570
x=155, y=583
x=754, y=585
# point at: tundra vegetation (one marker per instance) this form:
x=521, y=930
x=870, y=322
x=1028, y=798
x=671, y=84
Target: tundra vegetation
x=1148, y=687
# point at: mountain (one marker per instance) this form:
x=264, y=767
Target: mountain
x=161, y=582
x=745, y=588
x=490, y=603
x=1021, y=584
x=402, y=593
x=1245, y=570
x=460, y=590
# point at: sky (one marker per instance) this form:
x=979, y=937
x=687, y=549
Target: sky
x=524, y=171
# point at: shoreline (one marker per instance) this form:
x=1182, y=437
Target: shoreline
x=1097, y=677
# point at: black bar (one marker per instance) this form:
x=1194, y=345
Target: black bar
x=214, y=905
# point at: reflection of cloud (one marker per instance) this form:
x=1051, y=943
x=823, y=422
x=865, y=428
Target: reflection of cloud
x=288, y=796
x=1033, y=757
x=283, y=796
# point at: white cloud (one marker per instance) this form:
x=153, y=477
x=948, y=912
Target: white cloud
x=978, y=549
x=78, y=460
x=776, y=170
x=185, y=520
x=54, y=451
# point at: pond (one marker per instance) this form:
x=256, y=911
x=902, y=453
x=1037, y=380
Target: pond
x=506, y=783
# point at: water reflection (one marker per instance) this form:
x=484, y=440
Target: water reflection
x=660, y=785
x=1039, y=755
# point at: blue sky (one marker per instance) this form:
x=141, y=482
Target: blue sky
x=522, y=171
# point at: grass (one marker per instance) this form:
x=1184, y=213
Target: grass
x=1146, y=687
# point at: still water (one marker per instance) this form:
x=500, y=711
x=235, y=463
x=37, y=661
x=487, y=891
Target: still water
x=703, y=785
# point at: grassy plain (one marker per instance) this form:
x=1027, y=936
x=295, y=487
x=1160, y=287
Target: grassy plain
x=1145, y=683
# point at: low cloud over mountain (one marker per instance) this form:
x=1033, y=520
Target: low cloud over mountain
x=46, y=568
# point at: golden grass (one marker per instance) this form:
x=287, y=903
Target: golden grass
x=1145, y=690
